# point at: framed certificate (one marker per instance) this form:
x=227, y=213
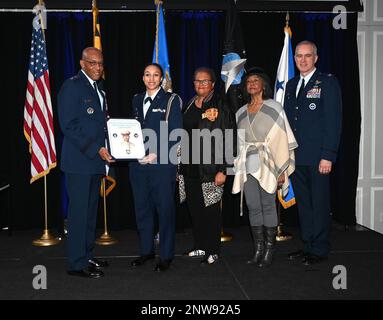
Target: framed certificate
x=125, y=139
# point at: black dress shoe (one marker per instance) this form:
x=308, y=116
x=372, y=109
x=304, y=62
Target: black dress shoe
x=98, y=264
x=88, y=272
x=296, y=255
x=141, y=260
x=311, y=259
x=162, y=265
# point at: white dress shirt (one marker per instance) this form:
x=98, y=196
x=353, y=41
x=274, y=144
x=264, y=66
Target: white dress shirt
x=98, y=90
x=146, y=105
x=307, y=79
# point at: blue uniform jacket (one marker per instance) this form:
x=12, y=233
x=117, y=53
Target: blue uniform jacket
x=154, y=116
x=82, y=122
x=315, y=118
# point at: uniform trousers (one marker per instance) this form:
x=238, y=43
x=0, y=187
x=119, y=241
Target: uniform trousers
x=153, y=189
x=83, y=192
x=312, y=192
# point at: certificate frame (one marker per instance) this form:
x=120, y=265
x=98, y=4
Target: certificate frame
x=125, y=139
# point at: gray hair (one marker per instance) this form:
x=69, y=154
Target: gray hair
x=307, y=42
x=86, y=50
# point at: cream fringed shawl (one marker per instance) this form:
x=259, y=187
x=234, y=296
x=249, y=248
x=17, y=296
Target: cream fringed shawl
x=270, y=134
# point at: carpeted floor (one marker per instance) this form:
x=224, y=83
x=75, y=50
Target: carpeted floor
x=360, y=252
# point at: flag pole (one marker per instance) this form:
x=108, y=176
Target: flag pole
x=47, y=239
x=281, y=234
x=225, y=237
x=105, y=239
x=287, y=19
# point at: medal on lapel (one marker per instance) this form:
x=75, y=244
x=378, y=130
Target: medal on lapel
x=90, y=110
x=211, y=114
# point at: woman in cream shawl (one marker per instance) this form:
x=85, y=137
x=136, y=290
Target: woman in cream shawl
x=264, y=162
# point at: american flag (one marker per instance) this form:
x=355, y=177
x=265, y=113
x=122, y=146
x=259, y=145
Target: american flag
x=38, y=116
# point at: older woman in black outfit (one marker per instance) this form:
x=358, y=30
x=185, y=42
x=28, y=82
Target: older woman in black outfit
x=204, y=180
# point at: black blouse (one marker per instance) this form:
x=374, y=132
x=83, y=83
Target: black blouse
x=191, y=121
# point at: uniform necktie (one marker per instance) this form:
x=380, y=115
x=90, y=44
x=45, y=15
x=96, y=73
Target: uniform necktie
x=148, y=99
x=147, y=103
x=301, y=88
x=96, y=89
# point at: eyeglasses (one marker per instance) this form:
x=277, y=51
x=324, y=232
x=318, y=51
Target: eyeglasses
x=202, y=82
x=94, y=63
x=252, y=81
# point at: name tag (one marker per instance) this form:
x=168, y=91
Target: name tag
x=159, y=110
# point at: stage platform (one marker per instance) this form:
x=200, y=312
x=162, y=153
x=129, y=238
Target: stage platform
x=359, y=251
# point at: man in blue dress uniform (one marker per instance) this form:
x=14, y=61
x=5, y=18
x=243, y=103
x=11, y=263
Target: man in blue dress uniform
x=153, y=178
x=81, y=111
x=313, y=105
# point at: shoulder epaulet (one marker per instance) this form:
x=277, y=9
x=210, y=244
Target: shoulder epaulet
x=170, y=102
x=326, y=75
x=169, y=94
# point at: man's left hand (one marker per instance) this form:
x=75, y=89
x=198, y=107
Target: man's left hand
x=104, y=154
x=325, y=166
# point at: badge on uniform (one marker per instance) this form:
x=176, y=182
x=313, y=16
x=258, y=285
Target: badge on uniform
x=312, y=106
x=211, y=114
x=159, y=110
x=90, y=110
x=314, y=93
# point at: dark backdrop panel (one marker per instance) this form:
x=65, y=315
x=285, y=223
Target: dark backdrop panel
x=194, y=39
x=28, y=200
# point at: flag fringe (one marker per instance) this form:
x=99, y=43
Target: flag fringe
x=44, y=173
x=27, y=136
x=285, y=204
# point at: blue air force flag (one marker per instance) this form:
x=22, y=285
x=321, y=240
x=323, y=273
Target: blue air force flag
x=285, y=73
x=285, y=68
x=160, y=52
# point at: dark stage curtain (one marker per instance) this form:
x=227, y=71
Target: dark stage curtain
x=194, y=39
